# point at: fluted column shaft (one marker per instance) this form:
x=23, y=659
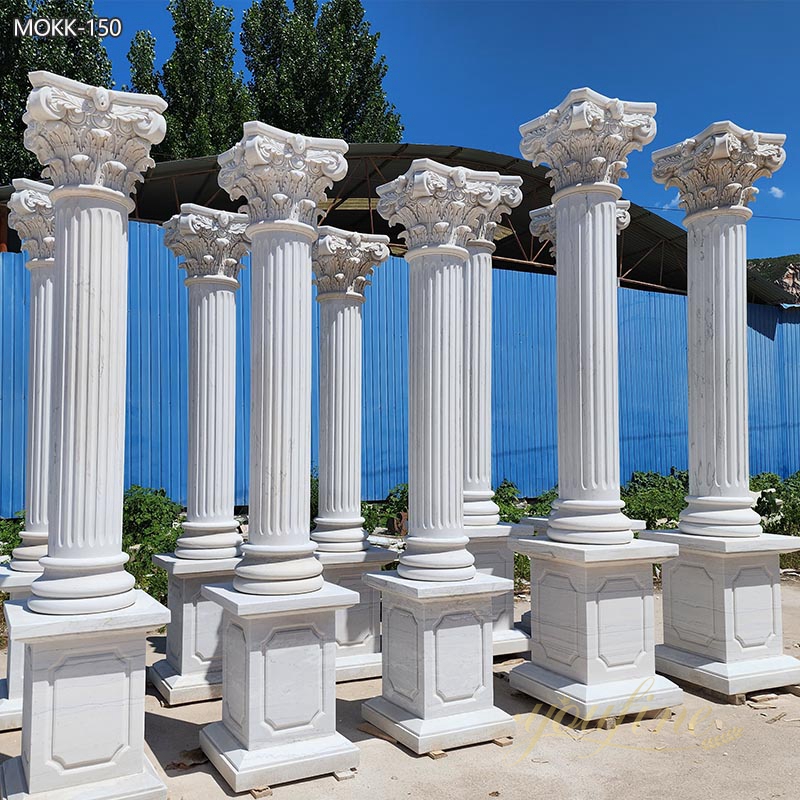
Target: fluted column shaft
x=83, y=571
x=719, y=501
x=435, y=548
x=588, y=509
x=37, y=466
x=479, y=507
x=210, y=530
x=279, y=558
x=339, y=521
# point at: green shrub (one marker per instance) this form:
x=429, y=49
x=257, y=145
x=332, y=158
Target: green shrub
x=314, y=497
x=512, y=507
x=542, y=505
x=150, y=525
x=657, y=499
x=9, y=533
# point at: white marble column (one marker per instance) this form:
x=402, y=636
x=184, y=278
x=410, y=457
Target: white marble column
x=722, y=595
x=212, y=244
x=342, y=263
x=437, y=608
x=489, y=539
x=588, y=575
x=279, y=614
x=31, y=215
x=84, y=627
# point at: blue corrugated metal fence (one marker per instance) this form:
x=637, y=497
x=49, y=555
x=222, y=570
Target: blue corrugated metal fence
x=653, y=412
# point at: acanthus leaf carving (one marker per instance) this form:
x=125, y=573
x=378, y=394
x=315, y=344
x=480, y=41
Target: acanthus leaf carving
x=543, y=226
x=281, y=175
x=88, y=135
x=211, y=242
x=344, y=260
x=31, y=215
x=718, y=167
x=587, y=138
x=442, y=205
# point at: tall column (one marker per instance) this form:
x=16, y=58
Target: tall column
x=437, y=592
x=488, y=539
x=588, y=575
x=212, y=244
x=31, y=215
x=343, y=262
x=722, y=595
x=84, y=627
x=278, y=627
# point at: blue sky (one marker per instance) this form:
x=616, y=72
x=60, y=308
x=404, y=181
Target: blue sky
x=469, y=72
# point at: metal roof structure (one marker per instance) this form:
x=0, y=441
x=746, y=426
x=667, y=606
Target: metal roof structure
x=652, y=251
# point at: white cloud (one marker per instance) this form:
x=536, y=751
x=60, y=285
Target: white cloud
x=776, y=192
x=672, y=203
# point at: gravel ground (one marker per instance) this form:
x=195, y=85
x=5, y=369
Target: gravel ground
x=707, y=750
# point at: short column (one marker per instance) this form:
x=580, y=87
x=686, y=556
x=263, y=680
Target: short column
x=437, y=610
x=592, y=638
x=343, y=262
x=212, y=244
x=31, y=215
x=722, y=595
x=278, y=625
x=84, y=626
x=489, y=539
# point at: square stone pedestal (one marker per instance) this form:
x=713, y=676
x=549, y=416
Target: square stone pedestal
x=722, y=612
x=18, y=587
x=438, y=687
x=592, y=628
x=192, y=669
x=279, y=688
x=358, y=628
x=492, y=548
x=83, y=708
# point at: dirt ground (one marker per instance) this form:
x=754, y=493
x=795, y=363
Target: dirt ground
x=707, y=750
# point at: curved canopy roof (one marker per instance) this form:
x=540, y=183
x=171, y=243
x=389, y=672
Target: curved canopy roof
x=652, y=251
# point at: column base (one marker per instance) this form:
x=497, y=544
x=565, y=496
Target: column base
x=592, y=628
x=83, y=725
x=192, y=669
x=358, y=628
x=147, y=785
x=279, y=691
x=722, y=612
x=18, y=587
x=425, y=735
x=492, y=548
x=590, y=702
x=438, y=687
x=245, y=769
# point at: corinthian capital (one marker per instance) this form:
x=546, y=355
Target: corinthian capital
x=587, y=138
x=31, y=216
x=87, y=135
x=344, y=260
x=489, y=213
x=718, y=167
x=543, y=226
x=211, y=242
x=282, y=176
x=440, y=205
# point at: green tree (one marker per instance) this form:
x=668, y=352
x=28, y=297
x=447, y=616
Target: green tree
x=142, y=58
x=208, y=101
x=317, y=70
x=83, y=58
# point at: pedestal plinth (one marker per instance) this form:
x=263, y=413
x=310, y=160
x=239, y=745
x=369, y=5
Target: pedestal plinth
x=18, y=587
x=437, y=663
x=192, y=669
x=722, y=612
x=279, y=688
x=491, y=547
x=592, y=637
x=358, y=628
x=83, y=733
